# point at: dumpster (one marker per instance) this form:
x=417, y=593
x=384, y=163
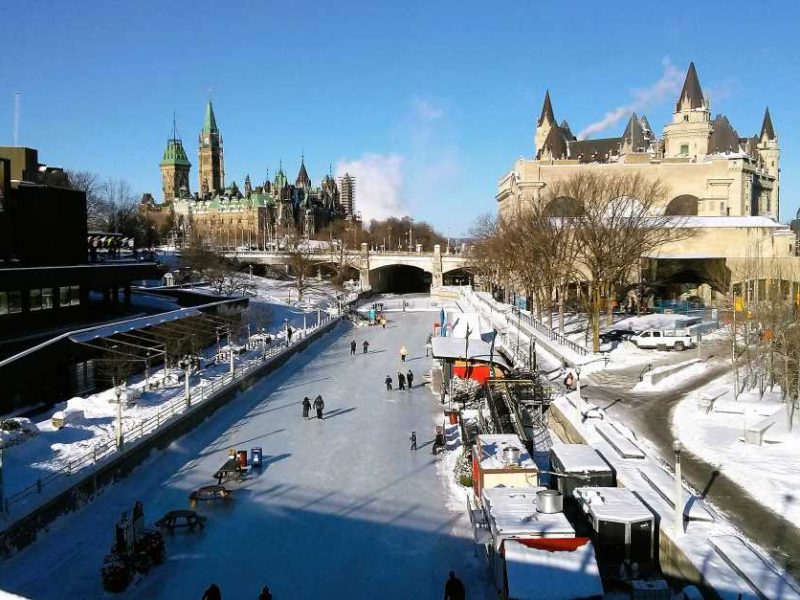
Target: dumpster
x=241, y=458
x=255, y=457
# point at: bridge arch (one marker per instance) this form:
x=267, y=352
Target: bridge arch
x=400, y=278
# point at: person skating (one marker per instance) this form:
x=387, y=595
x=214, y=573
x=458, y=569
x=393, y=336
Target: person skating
x=365, y=345
x=410, y=379
x=413, y=440
x=388, y=382
x=288, y=335
x=454, y=589
x=265, y=594
x=401, y=381
x=353, y=348
x=306, y=407
x=318, y=406
x=569, y=380
x=383, y=322
x=212, y=593
x=403, y=353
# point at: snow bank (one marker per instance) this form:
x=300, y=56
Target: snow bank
x=685, y=371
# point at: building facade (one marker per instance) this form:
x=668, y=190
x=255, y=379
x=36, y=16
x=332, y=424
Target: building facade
x=253, y=216
x=708, y=168
x=347, y=187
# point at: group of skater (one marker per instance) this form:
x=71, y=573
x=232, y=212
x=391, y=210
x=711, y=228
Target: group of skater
x=354, y=346
x=401, y=380
x=213, y=592
x=318, y=406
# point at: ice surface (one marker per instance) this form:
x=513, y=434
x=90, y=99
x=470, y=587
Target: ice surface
x=341, y=509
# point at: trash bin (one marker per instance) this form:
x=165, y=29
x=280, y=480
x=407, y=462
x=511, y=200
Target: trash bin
x=255, y=457
x=241, y=458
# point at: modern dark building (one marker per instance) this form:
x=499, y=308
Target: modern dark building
x=46, y=279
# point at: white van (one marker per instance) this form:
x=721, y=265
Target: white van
x=676, y=339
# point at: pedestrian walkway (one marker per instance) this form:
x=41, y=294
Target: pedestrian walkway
x=342, y=507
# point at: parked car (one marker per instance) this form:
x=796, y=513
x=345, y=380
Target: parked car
x=617, y=335
x=675, y=339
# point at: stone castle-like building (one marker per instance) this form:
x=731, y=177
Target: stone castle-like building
x=227, y=216
x=724, y=186
x=709, y=169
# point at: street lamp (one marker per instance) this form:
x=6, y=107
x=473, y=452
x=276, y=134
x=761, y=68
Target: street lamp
x=676, y=448
x=186, y=363
x=121, y=395
x=578, y=379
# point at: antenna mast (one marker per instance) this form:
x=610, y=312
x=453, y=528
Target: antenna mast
x=16, y=119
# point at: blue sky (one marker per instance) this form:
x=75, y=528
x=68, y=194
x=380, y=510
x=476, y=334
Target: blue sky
x=430, y=101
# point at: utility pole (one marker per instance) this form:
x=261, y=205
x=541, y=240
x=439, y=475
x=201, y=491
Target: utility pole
x=676, y=447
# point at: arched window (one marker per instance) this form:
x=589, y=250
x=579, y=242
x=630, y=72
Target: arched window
x=683, y=205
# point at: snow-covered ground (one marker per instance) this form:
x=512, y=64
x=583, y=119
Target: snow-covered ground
x=341, y=508
x=770, y=472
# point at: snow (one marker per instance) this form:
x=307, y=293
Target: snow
x=619, y=505
x=746, y=561
x=512, y=512
x=654, y=321
x=341, y=507
x=579, y=458
x=491, y=452
x=535, y=574
x=717, y=437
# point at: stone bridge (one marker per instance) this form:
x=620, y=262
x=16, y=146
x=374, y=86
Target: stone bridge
x=380, y=271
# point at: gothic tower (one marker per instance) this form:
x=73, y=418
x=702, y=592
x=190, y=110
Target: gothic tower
x=770, y=154
x=545, y=123
x=211, y=170
x=687, y=136
x=175, y=168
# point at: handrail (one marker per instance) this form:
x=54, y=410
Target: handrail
x=176, y=407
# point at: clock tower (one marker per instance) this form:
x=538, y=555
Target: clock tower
x=212, y=167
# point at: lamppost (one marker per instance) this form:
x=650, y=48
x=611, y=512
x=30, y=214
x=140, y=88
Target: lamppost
x=119, y=391
x=578, y=379
x=147, y=370
x=186, y=364
x=676, y=448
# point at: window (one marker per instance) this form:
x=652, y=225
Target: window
x=14, y=302
x=35, y=297
x=69, y=295
x=47, y=298
x=685, y=149
x=686, y=118
x=656, y=334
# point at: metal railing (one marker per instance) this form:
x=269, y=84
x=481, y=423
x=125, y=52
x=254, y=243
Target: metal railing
x=522, y=318
x=173, y=410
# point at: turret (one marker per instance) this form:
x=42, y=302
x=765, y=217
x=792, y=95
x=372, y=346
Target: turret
x=770, y=154
x=175, y=167
x=546, y=122
x=687, y=135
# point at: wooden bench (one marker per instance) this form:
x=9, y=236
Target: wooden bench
x=181, y=518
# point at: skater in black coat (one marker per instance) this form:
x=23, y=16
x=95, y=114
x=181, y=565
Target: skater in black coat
x=366, y=346
x=401, y=381
x=410, y=379
x=413, y=439
x=306, y=407
x=212, y=593
x=388, y=382
x=318, y=406
x=454, y=589
x=353, y=348
x=265, y=594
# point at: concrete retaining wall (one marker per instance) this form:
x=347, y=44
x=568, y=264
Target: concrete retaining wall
x=26, y=529
x=662, y=373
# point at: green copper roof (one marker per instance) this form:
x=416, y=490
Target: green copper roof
x=210, y=123
x=175, y=154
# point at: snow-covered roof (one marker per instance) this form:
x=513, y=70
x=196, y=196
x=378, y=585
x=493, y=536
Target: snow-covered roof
x=579, y=458
x=748, y=221
x=535, y=574
x=452, y=347
x=491, y=447
x=619, y=505
x=140, y=323
x=512, y=513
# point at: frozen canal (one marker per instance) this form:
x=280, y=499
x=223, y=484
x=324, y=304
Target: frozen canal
x=341, y=509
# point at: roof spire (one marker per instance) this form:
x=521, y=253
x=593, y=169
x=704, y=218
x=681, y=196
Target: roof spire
x=174, y=127
x=547, y=111
x=691, y=92
x=766, y=127
x=210, y=123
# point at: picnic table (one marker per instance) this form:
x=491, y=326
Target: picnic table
x=210, y=492
x=230, y=470
x=181, y=518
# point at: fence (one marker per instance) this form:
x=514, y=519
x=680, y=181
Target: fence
x=533, y=324
x=134, y=433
